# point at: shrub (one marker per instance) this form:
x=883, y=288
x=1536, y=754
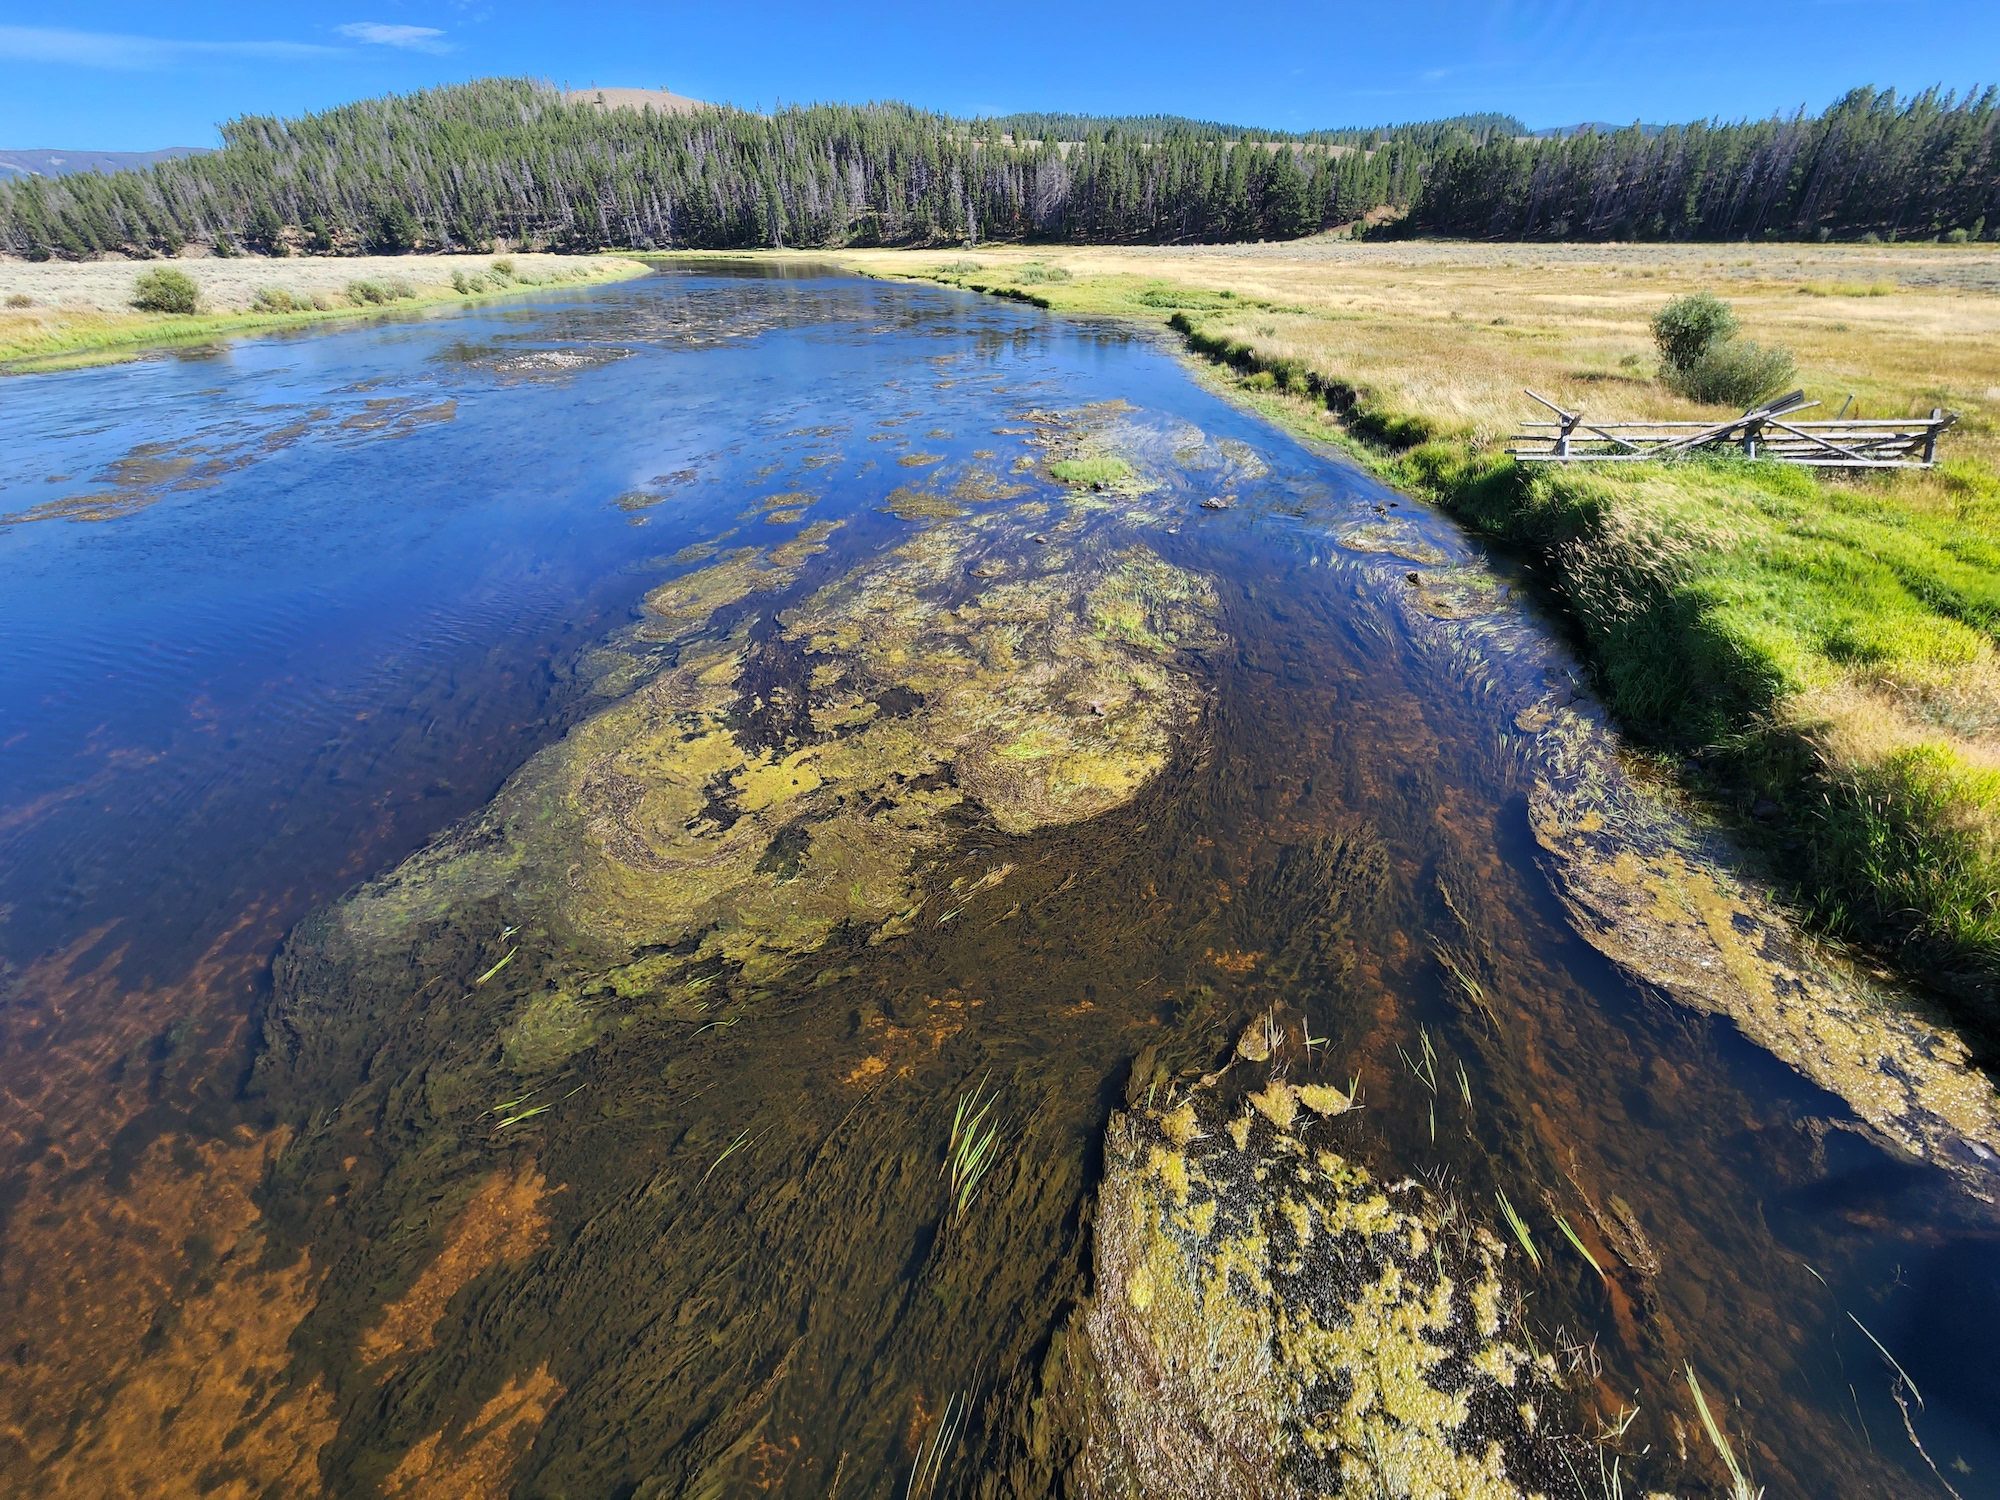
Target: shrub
x=1688, y=327
x=20, y=299
x=276, y=299
x=166, y=290
x=1733, y=373
x=503, y=267
x=367, y=293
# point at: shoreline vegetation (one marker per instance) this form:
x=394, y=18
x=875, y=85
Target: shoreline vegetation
x=57, y=315
x=1810, y=656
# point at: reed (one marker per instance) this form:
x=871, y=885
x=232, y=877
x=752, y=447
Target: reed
x=1581, y=1248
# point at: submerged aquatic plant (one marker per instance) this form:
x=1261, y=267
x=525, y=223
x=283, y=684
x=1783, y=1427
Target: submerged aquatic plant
x=971, y=1152
x=936, y=1448
x=1581, y=1248
x=1739, y=1482
x=1520, y=1227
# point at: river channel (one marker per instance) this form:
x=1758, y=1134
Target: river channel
x=522, y=829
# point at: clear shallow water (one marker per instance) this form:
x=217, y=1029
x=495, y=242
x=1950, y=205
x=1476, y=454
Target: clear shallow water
x=336, y=589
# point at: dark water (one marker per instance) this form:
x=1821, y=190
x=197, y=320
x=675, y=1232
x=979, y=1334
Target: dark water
x=277, y=613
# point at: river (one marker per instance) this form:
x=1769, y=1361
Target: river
x=402, y=1083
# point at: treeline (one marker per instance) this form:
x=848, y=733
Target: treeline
x=1924, y=167
x=463, y=166
x=466, y=166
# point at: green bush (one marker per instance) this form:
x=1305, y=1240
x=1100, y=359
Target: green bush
x=367, y=293
x=276, y=299
x=503, y=267
x=1688, y=327
x=1733, y=373
x=166, y=290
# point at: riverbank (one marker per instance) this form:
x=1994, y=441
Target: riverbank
x=1811, y=658
x=60, y=314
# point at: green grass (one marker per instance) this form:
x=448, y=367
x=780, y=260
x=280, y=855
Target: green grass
x=1823, y=645
x=1091, y=473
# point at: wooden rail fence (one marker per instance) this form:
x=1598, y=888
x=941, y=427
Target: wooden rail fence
x=1766, y=431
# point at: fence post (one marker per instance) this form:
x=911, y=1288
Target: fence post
x=1931, y=435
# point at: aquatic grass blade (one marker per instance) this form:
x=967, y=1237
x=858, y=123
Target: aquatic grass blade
x=1520, y=1227
x=1581, y=1248
x=497, y=967
x=1905, y=1374
x=1739, y=1483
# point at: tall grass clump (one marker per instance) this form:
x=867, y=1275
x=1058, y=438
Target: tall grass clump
x=166, y=290
x=1703, y=357
x=1091, y=473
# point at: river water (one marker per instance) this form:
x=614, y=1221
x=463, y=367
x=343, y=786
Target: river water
x=279, y=613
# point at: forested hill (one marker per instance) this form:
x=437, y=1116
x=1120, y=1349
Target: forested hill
x=461, y=166
x=464, y=166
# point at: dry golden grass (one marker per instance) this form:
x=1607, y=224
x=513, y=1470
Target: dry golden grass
x=1453, y=331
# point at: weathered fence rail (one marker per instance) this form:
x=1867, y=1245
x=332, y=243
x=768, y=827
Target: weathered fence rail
x=1766, y=431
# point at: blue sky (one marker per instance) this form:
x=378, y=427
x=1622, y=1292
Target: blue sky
x=130, y=76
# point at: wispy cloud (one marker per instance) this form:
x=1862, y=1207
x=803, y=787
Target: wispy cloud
x=415, y=38
x=105, y=49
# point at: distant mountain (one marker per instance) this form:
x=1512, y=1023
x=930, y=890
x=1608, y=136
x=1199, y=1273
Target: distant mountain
x=45, y=163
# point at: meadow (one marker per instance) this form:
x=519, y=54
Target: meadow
x=1810, y=655
x=58, y=313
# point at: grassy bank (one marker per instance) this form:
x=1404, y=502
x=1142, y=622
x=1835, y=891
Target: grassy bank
x=58, y=315
x=1815, y=658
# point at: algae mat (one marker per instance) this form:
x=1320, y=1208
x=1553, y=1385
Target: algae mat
x=833, y=929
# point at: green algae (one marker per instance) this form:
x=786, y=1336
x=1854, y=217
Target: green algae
x=772, y=787
x=1270, y=1321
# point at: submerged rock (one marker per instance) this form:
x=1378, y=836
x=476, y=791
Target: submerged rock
x=1270, y=1321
